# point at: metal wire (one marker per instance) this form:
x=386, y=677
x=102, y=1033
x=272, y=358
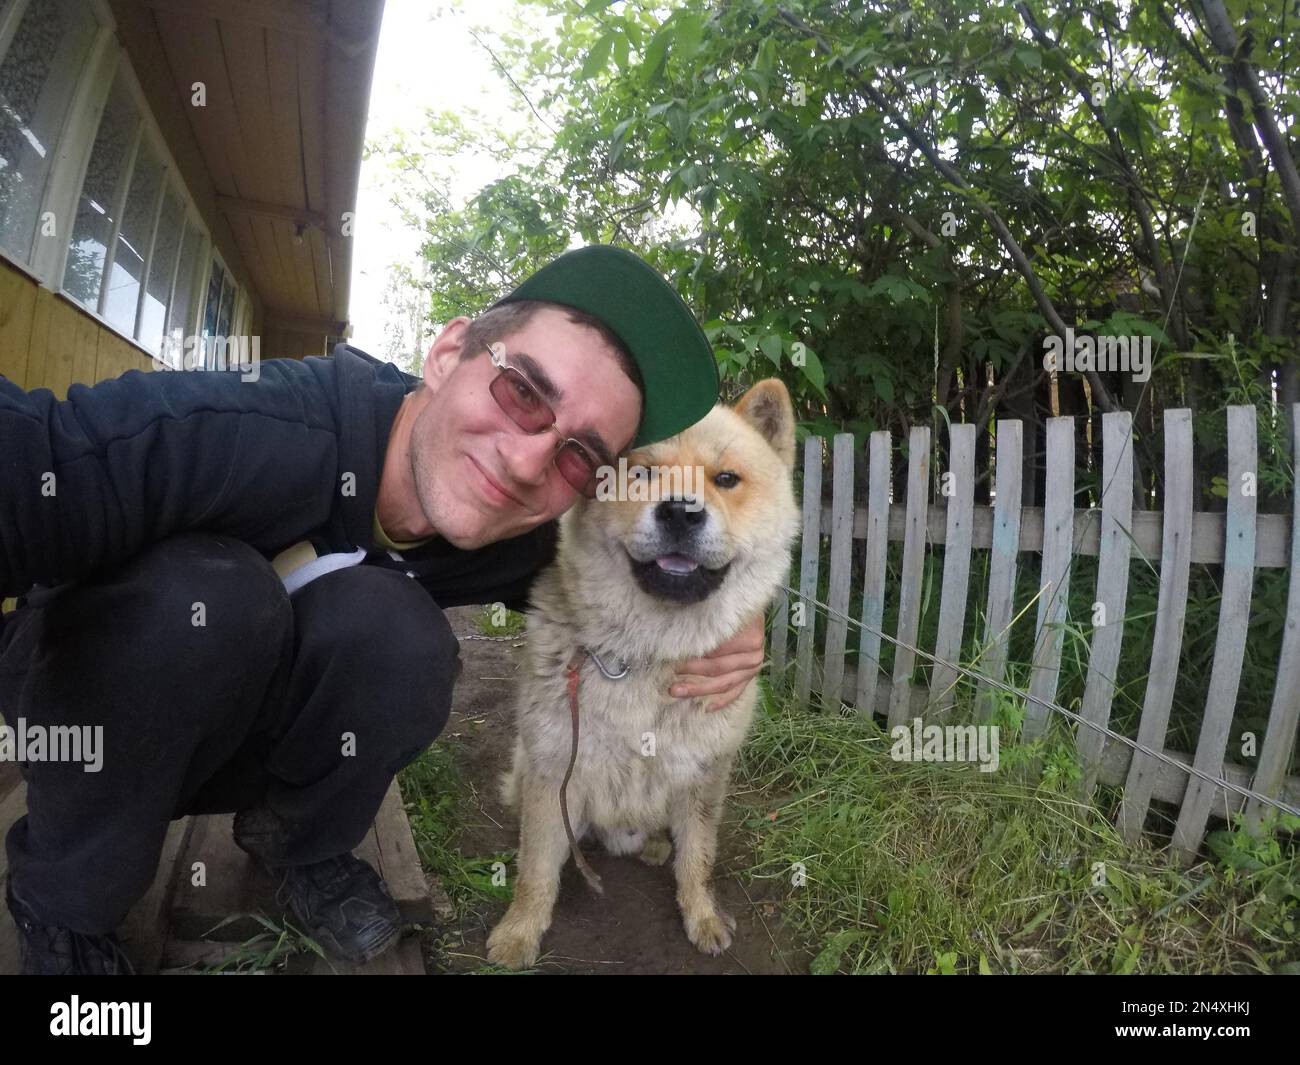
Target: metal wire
x=1070, y=714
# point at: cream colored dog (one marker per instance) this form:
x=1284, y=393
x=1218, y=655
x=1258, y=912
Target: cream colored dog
x=646, y=584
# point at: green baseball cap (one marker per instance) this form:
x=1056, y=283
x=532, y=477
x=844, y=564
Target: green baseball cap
x=644, y=311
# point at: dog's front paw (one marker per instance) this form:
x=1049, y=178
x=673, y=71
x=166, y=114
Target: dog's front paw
x=711, y=930
x=513, y=947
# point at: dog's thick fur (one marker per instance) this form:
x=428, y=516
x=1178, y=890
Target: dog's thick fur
x=648, y=763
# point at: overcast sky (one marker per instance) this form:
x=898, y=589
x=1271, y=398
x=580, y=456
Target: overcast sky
x=426, y=58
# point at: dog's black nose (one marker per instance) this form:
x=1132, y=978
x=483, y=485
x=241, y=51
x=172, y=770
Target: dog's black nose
x=677, y=515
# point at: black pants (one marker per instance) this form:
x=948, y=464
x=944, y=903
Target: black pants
x=215, y=693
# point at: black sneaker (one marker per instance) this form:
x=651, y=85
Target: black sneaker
x=343, y=905
x=48, y=950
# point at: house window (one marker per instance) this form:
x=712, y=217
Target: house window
x=162, y=271
x=131, y=217
x=38, y=75
x=217, y=310
x=121, y=297
x=180, y=316
x=213, y=302
x=137, y=255
x=102, y=194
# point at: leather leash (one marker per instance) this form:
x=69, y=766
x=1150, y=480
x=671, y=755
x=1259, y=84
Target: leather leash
x=571, y=675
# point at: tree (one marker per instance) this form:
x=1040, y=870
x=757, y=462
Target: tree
x=892, y=207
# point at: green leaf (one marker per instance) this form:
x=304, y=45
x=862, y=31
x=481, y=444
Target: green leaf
x=1029, y=57
x=814, y=371
x=598, y=57
x=618, y=140
x=656, y=54
x=828, y=959
x=884, y=388
x=764, y=64
x=597, y=5
x=690, y=34
x=622, y=47
x=771, y=345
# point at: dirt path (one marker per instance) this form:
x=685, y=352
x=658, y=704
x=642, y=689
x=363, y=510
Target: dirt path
x=635, y=927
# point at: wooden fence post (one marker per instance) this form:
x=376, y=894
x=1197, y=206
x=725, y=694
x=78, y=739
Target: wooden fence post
x=1230, y=642
x=808, y=562
x=1054, y=577
x=1284, y=714
x=1002, y=564
x=841, y=569
x=1112, y=590
x=956, y=568
x=1175, y=566
x=873, y=586
x=909, y=591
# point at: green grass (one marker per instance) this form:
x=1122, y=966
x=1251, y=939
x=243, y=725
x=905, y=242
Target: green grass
x=496, y=620
x=437, y=797
x=266, y=953
x=923, y=867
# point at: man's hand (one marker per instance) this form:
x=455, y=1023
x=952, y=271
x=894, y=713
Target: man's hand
x=725, y=671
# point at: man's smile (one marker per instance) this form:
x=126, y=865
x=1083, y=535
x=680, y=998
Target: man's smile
x=493, y=489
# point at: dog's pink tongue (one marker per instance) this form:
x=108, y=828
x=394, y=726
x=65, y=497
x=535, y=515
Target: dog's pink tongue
x=677, y=564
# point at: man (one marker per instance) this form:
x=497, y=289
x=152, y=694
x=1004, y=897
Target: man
x=242, y=583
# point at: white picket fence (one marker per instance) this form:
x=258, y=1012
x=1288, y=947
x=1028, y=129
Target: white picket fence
x=1240, y=540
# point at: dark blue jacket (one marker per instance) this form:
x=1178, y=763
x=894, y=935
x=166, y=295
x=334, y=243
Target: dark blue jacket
x=294, y=455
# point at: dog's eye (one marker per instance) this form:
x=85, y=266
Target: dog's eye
x=726, y=479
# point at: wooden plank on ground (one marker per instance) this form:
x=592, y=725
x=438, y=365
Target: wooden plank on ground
x=144, y=932
x=237, y=886
x=194, y=959
x=873, y=584
x=12, y=807
x=229, y=883
x=1230, y=643
x=1005, y=544
x=1284, y=714
x=398, y=861
x=956, y=568
x=808, y=561
x=841, y=573
x=1112, y=591
x=405, y=959
x=909, y=592
x=10, y=777
x=1054, y=578
x=1171, y=609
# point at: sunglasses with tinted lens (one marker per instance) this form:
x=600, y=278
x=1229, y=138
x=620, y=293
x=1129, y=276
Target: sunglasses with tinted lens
x=524, y=405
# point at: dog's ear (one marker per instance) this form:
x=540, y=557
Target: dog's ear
x=767, y=407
